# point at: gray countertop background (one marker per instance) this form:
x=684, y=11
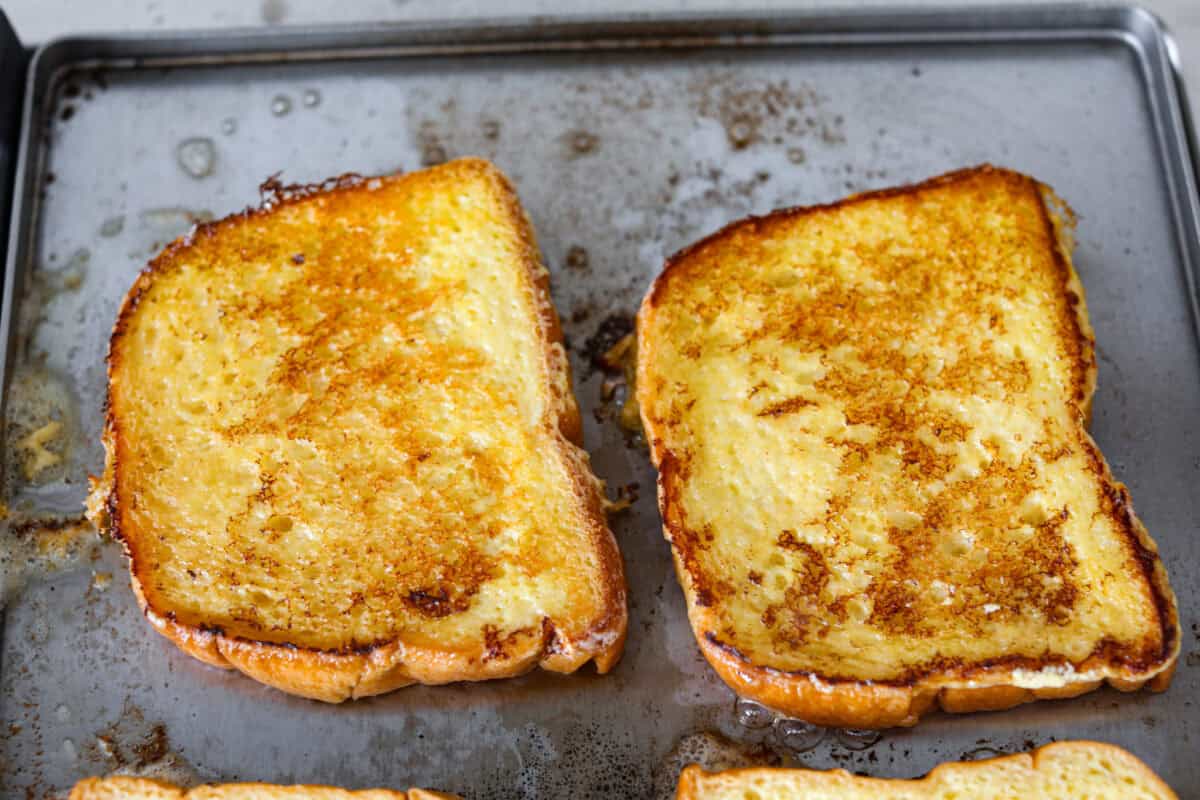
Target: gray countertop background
x=40, y=20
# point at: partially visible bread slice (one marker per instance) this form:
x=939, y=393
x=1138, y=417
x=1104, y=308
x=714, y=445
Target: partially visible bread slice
x=119, y=787
x=343, y=452
x=1060, y=771
x=870, y=425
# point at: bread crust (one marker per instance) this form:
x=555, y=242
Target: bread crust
x=868, y=704
x=693, y=779
x=121, y=786
x=334, y=676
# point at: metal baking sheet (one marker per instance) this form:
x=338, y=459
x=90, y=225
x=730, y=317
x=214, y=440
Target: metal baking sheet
x=626, y=140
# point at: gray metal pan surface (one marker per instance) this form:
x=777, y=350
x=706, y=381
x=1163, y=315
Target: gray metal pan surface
x=626, y=140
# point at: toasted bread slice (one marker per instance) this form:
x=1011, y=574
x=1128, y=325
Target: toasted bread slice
x=869, y=421
x=119, y=787
x=343, y=452
x=1060, y=771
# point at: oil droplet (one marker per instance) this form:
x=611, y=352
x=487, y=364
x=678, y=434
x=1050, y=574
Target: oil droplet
x=752, y=715
x=69, y=750
x=311, y=98
x=229, y=126
x=62, y=713
x=281, y=106
x=797, y=735
x=197, y=156
x=112, y=226
x=795, y=155
x=854, y=739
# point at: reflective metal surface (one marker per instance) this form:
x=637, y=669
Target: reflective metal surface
x=626, y=141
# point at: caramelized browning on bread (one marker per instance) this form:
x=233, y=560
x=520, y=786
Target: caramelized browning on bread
x=344, y=425
x=870, y=425
x=119, y=787
x=1061, y=771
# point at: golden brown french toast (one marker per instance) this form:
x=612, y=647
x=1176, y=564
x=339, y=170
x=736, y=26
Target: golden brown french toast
x=343, y=452
x=870, y=425
x=119, y=787
x=1060, y=771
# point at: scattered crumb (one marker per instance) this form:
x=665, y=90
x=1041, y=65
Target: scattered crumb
x=38, y=457
x=627, y=495
x=577, y=258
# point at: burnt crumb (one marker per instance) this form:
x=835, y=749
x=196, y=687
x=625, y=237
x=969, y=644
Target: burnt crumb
x=1193, y=659
x=916, y=72
x=298, y=258
x=67, y=112
x=580, y=314
x=762, y=176
x=611, y=330
x=153, y=747
x=71, y=90
x=50, y=178
x=673, y=179
x=491, y=129
x=577, y=258
x=582, y=142
x=627, y=495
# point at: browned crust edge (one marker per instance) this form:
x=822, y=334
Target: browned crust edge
x=128, y=786
x=334, y=676
x=845, y=702
x=693, y=779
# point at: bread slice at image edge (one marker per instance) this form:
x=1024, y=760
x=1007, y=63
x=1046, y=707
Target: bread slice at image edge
x=119, y=787
x=1059, y=771
x=845, y=700
x=335, y=666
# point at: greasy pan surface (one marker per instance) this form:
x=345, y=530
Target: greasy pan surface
x=621, y=157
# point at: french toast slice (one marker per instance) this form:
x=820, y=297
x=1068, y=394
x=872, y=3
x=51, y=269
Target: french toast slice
x=1059, y=771
x=120, y=787
x=343, y=452
x=870, y=424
